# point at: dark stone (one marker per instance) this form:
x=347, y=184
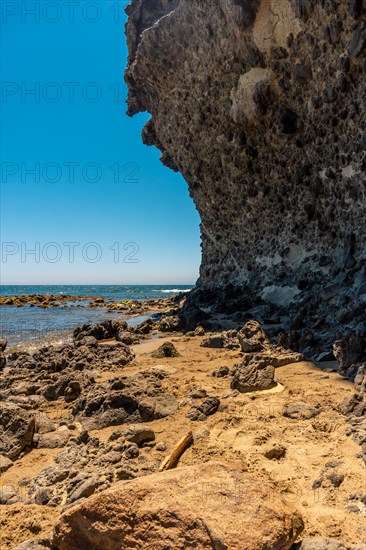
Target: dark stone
x=288, y=121
x=248, y=12
x=302, y=72
x=84, y=489
x=350, y=350
x=209, y=406
x=16, y=430
x=355, y=7
x=43, y=496
x=252, y=337
x=131, y=399
x=165, y=350
x=127, y=338
x=213, y=341
x=139, y=434
x=198, y=393
x=356, y=404
x=171, y=324
x=221, y=372
x=103, y=331
x=358, y=40
x=196, y=415
x=255, y=376
x=275, y=453
x=304, y=8
x=132, y=451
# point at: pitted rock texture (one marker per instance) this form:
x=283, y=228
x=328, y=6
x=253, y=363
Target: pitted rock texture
x=261, y=105
x=130, y=399
x=16, y=430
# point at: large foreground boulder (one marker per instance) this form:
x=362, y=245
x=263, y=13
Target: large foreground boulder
x=213, y=505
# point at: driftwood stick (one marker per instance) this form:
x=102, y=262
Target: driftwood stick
x=177, y=452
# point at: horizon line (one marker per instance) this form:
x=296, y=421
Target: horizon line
x=97, y=284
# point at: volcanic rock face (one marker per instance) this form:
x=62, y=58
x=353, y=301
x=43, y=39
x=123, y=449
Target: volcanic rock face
x=261, y=105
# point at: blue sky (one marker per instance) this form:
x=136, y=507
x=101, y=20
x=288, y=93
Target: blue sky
x=78, y=187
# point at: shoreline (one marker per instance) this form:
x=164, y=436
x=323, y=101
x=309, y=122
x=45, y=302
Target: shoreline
x=305, y=454
x=45, y=301
x=47, y=334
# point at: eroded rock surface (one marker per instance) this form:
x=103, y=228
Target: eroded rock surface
x=257, y=369
x=16, y=430
x=260, y=104
x=213, y=505
x=130, y=399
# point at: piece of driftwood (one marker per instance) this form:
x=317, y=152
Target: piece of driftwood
x=177, y=452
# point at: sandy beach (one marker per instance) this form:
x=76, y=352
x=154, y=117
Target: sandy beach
x=308, y=456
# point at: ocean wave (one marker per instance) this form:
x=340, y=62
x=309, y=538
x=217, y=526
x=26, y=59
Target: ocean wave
x=175, y=290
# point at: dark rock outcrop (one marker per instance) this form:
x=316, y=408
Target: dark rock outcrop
x=165, y=350
x=130, y=399
x=350, y=351
x=257, y=369
x=16, y=430
x=256, y=375
x=261, y=105
x=208, y=407
x=3, y=344
x=102, y=331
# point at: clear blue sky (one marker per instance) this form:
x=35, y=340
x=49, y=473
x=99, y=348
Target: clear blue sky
x=69, y=140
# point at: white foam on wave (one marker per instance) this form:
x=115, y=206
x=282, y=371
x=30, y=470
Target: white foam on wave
x=175, y=290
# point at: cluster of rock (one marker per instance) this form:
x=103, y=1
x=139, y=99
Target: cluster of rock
x=205, y=506
x=140, y=307
x=207, y=405
x=350, y=352
x=69, y=373
x=137, y=398
x=85, y=466
x=128, y=307
x=303, y=329
x=47, y=300
x=260, y=357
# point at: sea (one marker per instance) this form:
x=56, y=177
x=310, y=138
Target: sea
x=27, y=328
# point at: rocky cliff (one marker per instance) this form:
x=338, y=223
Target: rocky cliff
x=261, y=105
